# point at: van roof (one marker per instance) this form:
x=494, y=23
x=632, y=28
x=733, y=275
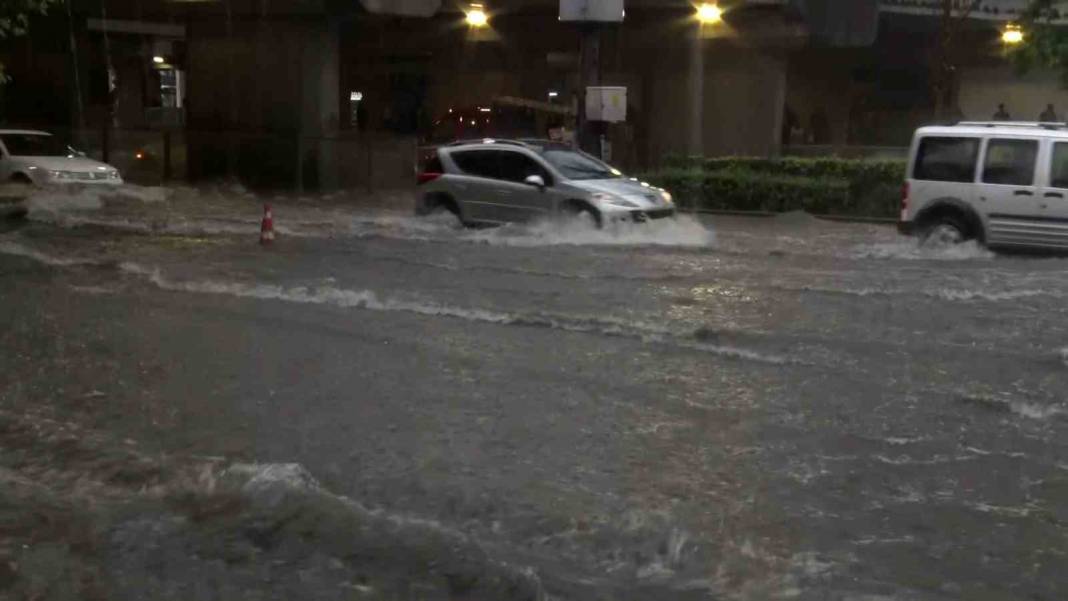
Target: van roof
x=1000, y=128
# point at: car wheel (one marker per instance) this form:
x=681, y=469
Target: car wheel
x=443, y=207
x=947, y=230
x=584, y=214
x=21, y=178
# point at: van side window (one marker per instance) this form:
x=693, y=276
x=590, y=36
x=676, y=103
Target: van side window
x=1058, y=169
x=1010, y=162
x=946, y=159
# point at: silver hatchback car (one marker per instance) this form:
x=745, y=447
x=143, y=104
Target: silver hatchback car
x=498, y=181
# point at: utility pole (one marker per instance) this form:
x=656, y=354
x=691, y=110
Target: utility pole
x=79, y=111
x=591, y=17
x=589, y=75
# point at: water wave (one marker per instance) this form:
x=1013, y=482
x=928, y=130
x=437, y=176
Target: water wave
x=9, y=247
x=913, y=250
x=370, y=300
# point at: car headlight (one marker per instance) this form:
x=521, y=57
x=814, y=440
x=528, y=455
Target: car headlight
x=114, y=174
x=611, y=199
x=62, y=174
x=666, y=196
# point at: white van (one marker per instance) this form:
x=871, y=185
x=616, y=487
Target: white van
x=1004, y=184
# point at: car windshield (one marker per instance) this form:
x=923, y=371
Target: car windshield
x=577, y=165
x=35, y=145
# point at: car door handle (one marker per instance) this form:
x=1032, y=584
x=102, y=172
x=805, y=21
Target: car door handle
x=1023, y=193
x=1053, y=195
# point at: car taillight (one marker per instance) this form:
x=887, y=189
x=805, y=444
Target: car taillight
x=905, y=201
x=428, y=177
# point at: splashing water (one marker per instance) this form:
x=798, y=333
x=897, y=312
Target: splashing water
x=683, y=231
x=55, y=201
x=912, y=250
x=91, y=198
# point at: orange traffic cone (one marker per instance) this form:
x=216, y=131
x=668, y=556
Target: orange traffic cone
x=267, y=227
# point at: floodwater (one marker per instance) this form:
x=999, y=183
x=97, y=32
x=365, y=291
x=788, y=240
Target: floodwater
x=713, y=408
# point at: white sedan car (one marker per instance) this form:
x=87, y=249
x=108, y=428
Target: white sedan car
x=37, y=157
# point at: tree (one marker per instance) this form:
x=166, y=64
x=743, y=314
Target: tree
x=1045, y=43
x=952, y=15
x=15, y=20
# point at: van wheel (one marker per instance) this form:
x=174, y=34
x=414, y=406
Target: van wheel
x=947, y=230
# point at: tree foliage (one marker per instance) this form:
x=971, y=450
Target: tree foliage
x=15, y=20
x=1045, y=41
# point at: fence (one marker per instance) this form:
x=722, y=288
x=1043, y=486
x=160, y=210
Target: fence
x=259, y=160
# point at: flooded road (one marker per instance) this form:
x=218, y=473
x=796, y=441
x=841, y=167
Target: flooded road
x=713, y=408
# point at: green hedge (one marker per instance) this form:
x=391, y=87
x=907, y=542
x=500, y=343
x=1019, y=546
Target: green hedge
x=751, y=191
x=816, y=185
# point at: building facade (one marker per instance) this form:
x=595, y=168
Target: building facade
x=305, y=91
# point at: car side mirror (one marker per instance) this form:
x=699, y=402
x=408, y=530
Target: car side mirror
x=535, y=180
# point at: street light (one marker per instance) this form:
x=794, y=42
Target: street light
x=709, y=13
x=476, y=16
x=1012, y=35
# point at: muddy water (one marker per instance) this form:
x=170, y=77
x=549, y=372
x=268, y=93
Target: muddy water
x=707, y=408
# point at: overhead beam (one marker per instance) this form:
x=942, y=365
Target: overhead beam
x=138, y=27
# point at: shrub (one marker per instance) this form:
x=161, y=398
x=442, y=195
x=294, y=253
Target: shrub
x=817, y=185
x=739, y=190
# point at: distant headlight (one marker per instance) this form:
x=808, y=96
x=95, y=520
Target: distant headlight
x=666, y=196
x=611, y=199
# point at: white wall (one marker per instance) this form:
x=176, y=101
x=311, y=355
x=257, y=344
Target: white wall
x=743, y=105
x=1025, y=96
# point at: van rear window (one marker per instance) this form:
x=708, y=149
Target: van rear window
x=946, y=159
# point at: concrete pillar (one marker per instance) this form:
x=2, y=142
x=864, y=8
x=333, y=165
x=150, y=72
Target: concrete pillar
x=778, y=105
x=321, y=101
x=285, y=74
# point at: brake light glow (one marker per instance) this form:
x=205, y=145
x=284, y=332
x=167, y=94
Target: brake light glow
x=428, y=177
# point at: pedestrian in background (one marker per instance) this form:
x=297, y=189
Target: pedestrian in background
x=1048, y=115
x=1002, y=114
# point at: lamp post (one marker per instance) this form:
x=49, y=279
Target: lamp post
x=476, y=16
x=1012, y=35
x=706, y=15
x=709, y=13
